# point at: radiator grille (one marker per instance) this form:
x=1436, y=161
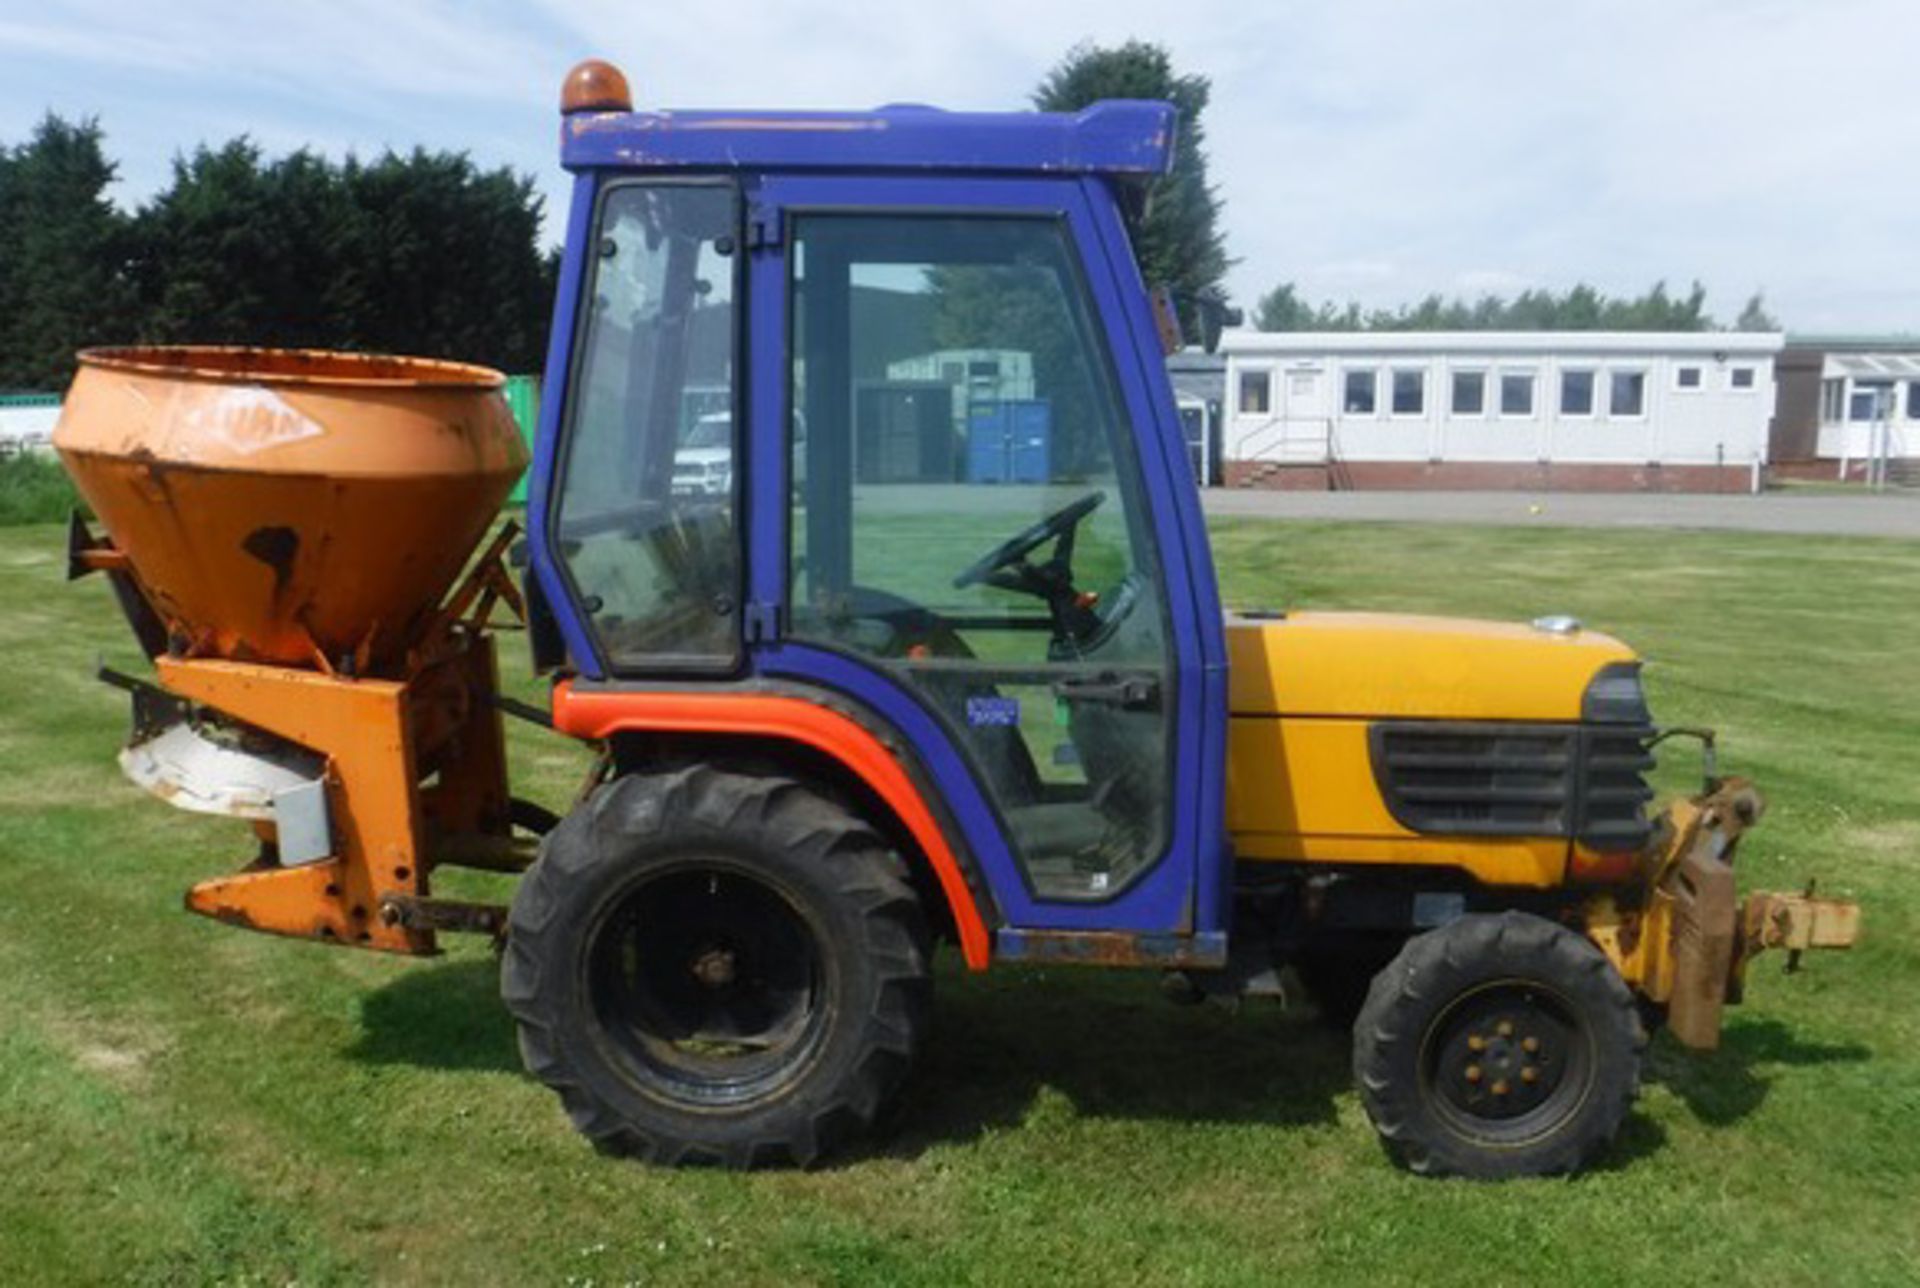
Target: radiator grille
x=1584, y=781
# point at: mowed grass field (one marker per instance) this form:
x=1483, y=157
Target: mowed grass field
x=181, y=1102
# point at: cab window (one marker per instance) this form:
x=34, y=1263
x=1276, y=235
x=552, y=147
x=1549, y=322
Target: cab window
x=644, y=508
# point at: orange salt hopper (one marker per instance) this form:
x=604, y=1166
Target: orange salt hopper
x=290, y=506
x=284, y=532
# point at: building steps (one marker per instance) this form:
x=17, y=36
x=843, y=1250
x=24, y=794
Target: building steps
x=1282, y=476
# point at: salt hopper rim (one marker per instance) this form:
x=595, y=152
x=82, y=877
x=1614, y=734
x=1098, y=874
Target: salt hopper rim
x=239, y=364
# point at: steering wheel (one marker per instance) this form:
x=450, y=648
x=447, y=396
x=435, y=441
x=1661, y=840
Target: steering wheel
x=1060, y=523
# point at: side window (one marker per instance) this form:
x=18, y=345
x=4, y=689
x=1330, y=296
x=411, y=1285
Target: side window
x=1469, y=393
x=1409, y=392
x=1256, y=392
x=1360, y=389
x=1576, y=392
x=1516, y=393
x=1628, y=394
x=969, y=518
x=644, y=503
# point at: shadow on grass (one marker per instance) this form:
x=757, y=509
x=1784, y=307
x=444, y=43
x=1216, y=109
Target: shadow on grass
x=1108, y=1042
x=1724, y=1086
x=443, y=1015
x=1114, y=1048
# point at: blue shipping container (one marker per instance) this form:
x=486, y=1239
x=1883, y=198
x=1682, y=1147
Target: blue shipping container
x=1010, y=441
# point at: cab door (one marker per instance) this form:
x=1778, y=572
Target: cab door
x=971, y=511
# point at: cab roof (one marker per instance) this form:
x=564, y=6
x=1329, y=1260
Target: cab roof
x=1114, y=136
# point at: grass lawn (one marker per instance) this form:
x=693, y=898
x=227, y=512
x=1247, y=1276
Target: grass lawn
x=181, y=1102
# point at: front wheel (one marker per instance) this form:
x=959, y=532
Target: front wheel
x=717, y=967
x=1498, y=1045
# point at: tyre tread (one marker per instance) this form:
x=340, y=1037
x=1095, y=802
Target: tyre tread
x=623, y=820
x=1395, y=1015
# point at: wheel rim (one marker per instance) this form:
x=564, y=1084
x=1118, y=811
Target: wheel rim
x=1507, y=1062
x=707, y=985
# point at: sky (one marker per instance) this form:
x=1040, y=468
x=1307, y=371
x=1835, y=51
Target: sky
x=1364, y=149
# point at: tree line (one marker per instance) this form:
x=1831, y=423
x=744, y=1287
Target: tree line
x=422, y=253
x=1175, y=225
x=1581, y=308
x=427, y=253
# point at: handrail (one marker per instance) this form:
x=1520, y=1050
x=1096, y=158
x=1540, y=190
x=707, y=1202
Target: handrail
x=1317, y=441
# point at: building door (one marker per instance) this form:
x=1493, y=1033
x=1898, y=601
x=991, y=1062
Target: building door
x=1306, y=412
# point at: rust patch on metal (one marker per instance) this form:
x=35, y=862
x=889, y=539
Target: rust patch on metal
x=1113, y=948
x=275, y=547
x=1686, y=947
x=419, y=913
x=1704, y=919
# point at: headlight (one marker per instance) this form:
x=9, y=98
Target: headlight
x=1615, y=696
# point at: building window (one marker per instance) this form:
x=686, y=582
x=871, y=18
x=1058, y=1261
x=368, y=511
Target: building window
x=1740, y=378
x=1256, y=392
x=1516, y=393
x=1833, y=401
x=1870, y=400
x=1686, y=377
x=1576, y=393
x=1913, y=400
x=1627, y=394
x=1409, y=392
x=1469, y=393
x=1361, y=393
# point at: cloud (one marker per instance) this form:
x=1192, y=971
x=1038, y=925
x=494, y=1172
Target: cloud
x=1749, y=143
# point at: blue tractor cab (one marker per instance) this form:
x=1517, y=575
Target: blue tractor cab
x=949, y=304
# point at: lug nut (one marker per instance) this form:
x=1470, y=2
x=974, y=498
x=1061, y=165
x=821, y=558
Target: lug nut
x=715, y=968
x=1500, y=1087
x=1529, y=1074
x=1476, y=1043
x=1505, y=1028
x=1473, y=1073
x=1529, y=1045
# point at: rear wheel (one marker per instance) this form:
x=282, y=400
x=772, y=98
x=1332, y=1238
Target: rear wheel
x=1498, y=1045
x=717, y=967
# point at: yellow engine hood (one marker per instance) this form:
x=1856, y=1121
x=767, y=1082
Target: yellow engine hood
x=1387, y=665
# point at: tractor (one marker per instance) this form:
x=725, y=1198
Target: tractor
x=862, y=544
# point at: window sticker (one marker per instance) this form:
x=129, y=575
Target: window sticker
x=993, y=711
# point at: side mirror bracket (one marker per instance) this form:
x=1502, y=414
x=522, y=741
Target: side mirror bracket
x=1209, y=309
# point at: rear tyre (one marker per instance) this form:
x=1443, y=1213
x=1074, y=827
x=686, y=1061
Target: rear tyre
x=1498, y=1045
x=715, y=967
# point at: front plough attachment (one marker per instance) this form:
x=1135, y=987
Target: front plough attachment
x=1687, y=945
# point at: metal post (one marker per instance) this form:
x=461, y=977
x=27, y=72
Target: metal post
x=1881, y=441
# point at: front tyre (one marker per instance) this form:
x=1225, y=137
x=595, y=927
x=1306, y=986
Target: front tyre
x=1498, y=1045
x=716, y=967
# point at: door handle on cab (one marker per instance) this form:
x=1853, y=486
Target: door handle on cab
x=1132, y=691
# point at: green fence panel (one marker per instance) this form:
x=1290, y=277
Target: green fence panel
x=523, y=399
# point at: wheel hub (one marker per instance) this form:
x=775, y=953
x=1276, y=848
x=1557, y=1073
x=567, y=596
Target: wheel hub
x=1499, y=1056
x=716, y=967
x=709, y=980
